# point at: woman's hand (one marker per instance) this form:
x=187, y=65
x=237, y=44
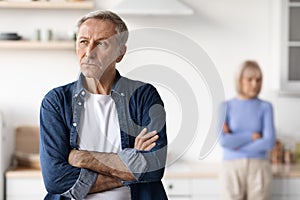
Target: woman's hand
x=226, y=129
x=256, y=136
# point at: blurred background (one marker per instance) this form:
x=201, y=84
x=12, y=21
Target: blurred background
x=37, y=53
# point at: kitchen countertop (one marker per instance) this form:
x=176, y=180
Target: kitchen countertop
x=178, y=170
x=212, y=170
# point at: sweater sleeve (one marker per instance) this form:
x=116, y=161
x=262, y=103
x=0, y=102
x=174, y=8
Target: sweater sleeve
x=235, y=140
x=232, y=140
x=267, y=141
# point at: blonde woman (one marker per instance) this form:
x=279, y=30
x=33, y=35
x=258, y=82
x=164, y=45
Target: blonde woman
x=248, y=134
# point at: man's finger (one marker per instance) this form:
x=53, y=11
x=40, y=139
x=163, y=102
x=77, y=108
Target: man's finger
x=149, y=135
x=143, y=132
x=150, y=146
x=149, y=142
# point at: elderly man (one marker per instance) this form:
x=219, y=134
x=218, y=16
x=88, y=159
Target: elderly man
x=103, y=136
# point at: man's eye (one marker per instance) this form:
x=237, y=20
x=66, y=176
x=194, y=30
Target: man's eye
x=83, y=41
x=102, y=44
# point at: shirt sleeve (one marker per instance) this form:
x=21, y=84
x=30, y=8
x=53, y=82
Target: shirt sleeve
x=60, y=177
x=267, y=141
x=148, y=166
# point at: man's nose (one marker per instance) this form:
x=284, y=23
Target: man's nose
x=90, y=51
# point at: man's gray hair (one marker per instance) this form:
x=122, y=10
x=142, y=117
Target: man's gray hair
x=121, y=28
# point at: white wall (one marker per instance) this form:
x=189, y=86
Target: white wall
x=230, y=31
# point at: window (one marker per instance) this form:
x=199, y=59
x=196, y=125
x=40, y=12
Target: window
x=290, y=76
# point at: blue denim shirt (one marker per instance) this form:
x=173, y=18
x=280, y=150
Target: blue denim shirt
x=138, y=105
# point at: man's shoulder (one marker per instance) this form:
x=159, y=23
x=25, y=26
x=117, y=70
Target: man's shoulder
x=133, y=85
x=61, y=91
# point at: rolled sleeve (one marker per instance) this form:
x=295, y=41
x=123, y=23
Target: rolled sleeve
x=134, y=161
x=83, y=185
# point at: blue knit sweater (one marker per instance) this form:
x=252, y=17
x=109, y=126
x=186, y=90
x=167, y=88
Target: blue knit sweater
x=244, y=117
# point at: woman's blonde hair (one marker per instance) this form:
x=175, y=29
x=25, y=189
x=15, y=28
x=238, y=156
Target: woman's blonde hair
x=252, y=69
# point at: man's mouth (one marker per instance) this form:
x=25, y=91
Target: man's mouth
x=90, y=65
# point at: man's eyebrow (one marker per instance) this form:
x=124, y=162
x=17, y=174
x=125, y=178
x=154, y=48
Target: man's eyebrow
x=83, y=37
x=99, y=39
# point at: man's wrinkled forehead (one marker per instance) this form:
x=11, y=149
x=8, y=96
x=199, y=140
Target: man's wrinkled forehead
x=97, y=27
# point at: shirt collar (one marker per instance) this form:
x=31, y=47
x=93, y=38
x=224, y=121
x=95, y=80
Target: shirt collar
x=80, y=91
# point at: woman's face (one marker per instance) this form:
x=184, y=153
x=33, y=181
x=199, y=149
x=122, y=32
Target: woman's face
x=250, y=85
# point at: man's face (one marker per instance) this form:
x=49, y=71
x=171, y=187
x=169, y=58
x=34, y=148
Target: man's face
x=96, y=47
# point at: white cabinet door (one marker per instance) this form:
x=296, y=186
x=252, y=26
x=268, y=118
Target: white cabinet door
x=206, y=188
x=177, y=187
x=25, y=188
x=286, y=189
x=279, y=197
x=192, y=189
x=293, y=185
x=1, y=161
x=280, y=186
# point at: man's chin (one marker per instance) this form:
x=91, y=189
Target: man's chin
x=91, y=75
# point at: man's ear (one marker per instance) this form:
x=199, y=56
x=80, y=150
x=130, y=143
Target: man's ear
x=122, y=53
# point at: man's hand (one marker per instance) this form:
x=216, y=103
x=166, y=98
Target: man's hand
x=256, y=136
x=226, y=129
x=146, y=141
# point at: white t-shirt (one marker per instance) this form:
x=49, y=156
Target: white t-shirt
x=100, y=131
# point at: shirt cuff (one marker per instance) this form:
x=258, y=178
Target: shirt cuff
x=82, y=185
x=134, y=161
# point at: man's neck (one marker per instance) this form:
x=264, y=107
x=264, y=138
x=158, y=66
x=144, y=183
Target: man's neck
x=102, y=86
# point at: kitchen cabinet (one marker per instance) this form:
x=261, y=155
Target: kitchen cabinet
x=286, y=188
x=209, y=188
x=178, y=189
x=24, y=184
x=1, y=159
x=192, y=189
x=197, y=181
x=206, y=188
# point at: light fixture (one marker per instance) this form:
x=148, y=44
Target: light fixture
x=152, y=7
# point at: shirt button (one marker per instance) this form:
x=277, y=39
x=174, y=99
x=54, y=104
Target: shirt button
x=74, y=124
x=83, y=93
x=122, y=94
x=79, y=103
